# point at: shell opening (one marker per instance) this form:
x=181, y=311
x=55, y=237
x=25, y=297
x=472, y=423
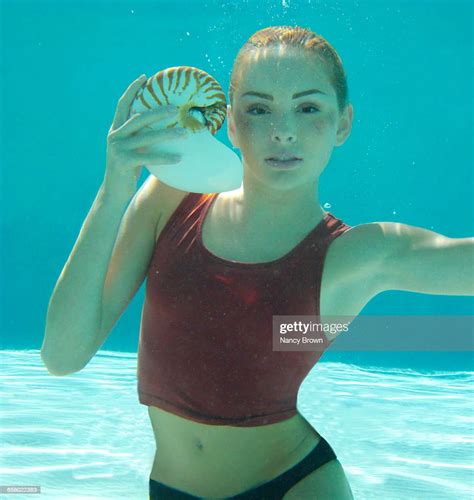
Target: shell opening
x=198, y=114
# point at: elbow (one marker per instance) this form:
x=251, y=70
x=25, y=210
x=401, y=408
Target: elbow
x=58, y=369
x=60, y=352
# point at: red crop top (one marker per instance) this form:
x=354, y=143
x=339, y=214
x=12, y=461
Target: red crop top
x=205, y=349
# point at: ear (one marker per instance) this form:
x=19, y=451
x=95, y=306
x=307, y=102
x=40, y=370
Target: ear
x=344, y=125
x=231, y=127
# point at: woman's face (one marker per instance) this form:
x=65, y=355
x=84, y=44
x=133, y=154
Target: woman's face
x=281, y=120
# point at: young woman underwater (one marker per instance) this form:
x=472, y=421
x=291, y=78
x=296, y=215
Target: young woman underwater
x=221, y=402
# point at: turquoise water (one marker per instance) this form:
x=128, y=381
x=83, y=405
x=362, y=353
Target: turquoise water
x=65, y=64
x=401, y=422
x=398, y=433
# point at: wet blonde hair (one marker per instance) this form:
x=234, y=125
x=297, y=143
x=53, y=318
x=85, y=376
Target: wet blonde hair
x=295, y=36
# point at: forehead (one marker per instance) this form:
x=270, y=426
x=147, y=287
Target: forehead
x=283, y=70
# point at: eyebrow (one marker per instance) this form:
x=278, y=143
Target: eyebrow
x=295, y=96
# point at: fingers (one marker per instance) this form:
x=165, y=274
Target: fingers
x=154, y=137
x=140, y=120
x=156, y=159
x=123, y=106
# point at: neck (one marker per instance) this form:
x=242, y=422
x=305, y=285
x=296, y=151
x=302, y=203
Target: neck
x=263, y=207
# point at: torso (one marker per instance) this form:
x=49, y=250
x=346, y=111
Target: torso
x=237, y=458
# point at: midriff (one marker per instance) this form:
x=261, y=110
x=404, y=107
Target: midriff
x=219, y=460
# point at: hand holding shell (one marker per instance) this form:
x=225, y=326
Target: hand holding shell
x=206, y=164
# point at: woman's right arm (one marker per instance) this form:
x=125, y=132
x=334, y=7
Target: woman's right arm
x=117, y=232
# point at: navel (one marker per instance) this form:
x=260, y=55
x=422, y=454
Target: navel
x=199, y=445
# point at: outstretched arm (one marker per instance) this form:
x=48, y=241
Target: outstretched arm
x=423, y=261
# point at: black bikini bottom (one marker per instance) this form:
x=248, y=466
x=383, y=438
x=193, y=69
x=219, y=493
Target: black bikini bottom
x=271, y=490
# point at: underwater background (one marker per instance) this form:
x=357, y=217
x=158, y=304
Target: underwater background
x=400, y=422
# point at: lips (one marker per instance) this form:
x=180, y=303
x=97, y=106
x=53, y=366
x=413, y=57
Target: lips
x=284, y=157
x=283, y=164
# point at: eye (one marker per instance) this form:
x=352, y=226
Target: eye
x=303, y=107
x=310, y=107
x=252, y=108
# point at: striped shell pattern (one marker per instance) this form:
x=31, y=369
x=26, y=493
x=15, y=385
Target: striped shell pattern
x=199, y=97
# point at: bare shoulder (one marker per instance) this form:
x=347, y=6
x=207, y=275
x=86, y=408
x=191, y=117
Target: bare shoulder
x=361, y=241
x=163, y=201
x=359, y=253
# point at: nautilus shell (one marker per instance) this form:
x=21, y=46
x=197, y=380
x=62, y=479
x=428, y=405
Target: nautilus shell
x=207, y=165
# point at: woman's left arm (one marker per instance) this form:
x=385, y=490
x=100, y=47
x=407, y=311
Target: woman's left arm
x=423, y=261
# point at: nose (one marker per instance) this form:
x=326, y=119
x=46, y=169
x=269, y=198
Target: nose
x=283, y=135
